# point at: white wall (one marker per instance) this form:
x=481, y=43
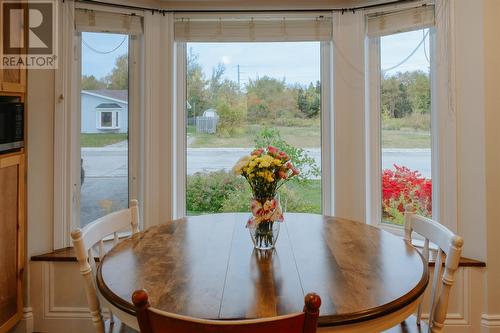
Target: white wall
x=492, y=151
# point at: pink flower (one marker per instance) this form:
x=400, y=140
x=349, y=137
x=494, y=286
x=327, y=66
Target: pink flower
x=283, y=155
x=282, y=174
x=272, y=150
x=257, y=152
x=295, y=171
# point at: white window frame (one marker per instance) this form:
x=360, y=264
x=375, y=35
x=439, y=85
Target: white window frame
x=180, y=151
x=133, y=126
x=114, y=118
x=373, y=133
x=67, y=122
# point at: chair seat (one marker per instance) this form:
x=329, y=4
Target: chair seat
x=117, y=327
x=409, y=326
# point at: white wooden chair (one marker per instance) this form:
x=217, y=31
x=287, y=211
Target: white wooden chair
x=448, y=244
x=85, y=242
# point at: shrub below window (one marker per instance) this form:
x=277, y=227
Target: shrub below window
x=221, y=191
x=404, y=189
x=206, y=192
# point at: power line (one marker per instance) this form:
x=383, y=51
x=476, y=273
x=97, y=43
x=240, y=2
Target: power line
x=408, y=57
x=104, y=52
x=425, y=50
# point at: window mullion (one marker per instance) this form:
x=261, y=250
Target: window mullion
x=373, y=128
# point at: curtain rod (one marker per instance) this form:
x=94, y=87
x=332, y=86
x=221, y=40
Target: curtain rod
x=163, y=11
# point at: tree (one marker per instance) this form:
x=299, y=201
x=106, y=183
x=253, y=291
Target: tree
x=419, y=91
x=406, y=93
x=309, y=100
x=118, y=78
x=196, y=86
x=269, y=100
x=229, y=104
x=394, y=97
x=89, y=82
x=215, y=83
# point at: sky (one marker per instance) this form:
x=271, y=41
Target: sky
x=296, y=62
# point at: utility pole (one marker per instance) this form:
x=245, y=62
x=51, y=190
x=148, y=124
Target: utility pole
x=239, y=87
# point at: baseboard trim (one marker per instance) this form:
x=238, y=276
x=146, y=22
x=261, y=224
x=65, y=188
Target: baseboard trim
x=490, y=320
x=26, y=323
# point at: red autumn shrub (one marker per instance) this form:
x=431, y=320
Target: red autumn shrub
x=403, y=188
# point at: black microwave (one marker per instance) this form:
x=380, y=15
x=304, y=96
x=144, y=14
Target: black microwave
x=11, y=124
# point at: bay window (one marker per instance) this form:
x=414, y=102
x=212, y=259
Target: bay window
x=215, y=85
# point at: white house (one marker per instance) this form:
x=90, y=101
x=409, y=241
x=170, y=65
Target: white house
x=104, y=111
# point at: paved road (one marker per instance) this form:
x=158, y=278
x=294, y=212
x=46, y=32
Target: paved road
x=105, y=186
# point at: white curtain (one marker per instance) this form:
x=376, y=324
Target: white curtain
x=158, y=118
x=348, y=91
x=65, y=102
x=103, y=21
x=388, y=23
x=238, y=27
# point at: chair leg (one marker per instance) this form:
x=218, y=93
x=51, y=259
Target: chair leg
x=98, y=322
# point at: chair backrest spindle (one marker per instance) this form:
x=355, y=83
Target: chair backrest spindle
x=85, y=242
x=449, y=245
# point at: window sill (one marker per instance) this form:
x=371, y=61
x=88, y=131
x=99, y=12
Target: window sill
x=68, y=255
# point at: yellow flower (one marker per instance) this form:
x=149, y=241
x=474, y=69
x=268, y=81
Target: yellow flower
x=242, y=162
x=264, y=164
x=277, y=162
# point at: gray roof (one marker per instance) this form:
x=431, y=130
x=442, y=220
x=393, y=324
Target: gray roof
x=121, y=95
x=108, y=106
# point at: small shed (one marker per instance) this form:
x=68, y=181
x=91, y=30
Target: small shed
x=207, y=123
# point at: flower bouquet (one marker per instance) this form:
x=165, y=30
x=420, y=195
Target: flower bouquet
x=266, y=170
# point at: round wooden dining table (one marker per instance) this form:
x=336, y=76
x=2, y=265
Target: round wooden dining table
x=206, y=267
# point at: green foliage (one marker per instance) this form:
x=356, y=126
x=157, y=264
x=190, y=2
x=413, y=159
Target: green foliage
x=309, y=100
x=269, y=99
x=221, y=191
x=291, y=201
x=208, y=192
x=118, y=78
x=300, y=159
x=231, y=117
x=91, y=83
x=405, y=93
x=196, y=86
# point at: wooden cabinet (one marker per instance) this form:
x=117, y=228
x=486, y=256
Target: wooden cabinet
x=13, y=80
x=12, y=238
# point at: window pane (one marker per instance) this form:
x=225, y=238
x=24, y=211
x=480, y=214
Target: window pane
x=104, y=147
x=106, y=119
x=242, y=96
x=406, y=125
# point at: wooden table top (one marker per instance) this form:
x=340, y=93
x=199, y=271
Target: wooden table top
x=206, y=267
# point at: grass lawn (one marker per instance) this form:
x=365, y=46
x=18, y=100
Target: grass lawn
x=101, y=139
x=309, y=192
x=405, y=139
x=304, y=137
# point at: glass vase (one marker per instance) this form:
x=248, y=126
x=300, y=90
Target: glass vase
x=264, y=224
